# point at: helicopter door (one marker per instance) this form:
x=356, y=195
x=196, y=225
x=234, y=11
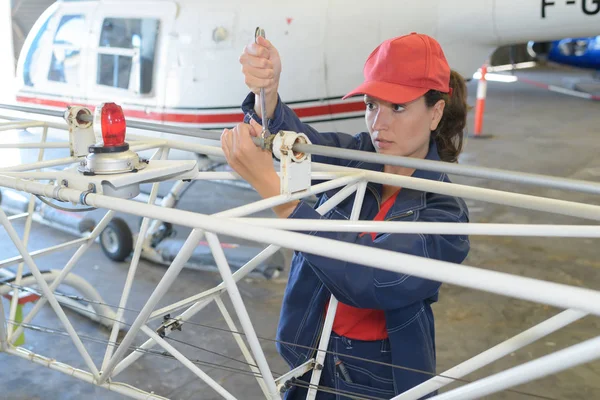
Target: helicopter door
x=128, y=53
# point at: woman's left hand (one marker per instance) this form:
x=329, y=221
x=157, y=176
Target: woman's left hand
x=252, y=163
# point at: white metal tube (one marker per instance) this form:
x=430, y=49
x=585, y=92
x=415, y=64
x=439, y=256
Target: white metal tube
x=204, y=176
x=200, y=297
x=237, y=275
x=85, y=376
x=230, y=176
x=148, y=344
x=242, y=313
x=452, y=168
x=40, y=165
x=201, y=300
x=269, y=251
x=51, y=145
x=85, y=310
x=126, y=289
x=333, y=302
x=433, y=228
x=496, y=282
x=20, y=125
x=495, y=353
x=49, y=175
x=17, y=216
x=65, y=271
x=165, y=283
x=476, y=171
x=176, y=130
x=242, y=345
x=358, y=201
x=146, y=146
x=14, y=302
x=196, y=147
x=550, y=293
x=335, y=200
x=30, y=208
x=14, y=237
x=102, y=313
x=468, y=192
x=167, y=202
x=281, y=199
x=561, y=360
x=35, y=110
x=135, y=259
x=46, y=251
x=3, y=328
x=187, y=363
x=481, y=194
x=97, y=310
x=297, y=372
x=322, y=349
x=55, y=125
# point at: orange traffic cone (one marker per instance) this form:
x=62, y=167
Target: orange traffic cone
x=480, y=105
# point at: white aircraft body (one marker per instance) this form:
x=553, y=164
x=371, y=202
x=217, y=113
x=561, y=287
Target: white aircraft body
x=176, y=62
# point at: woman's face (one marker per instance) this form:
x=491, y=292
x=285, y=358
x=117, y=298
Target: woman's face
x=402, y=129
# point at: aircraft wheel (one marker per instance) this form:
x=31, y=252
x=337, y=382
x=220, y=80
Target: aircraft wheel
x=164, y=231
x=116, y=240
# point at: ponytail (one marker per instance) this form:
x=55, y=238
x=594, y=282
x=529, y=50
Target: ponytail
x=449, y=133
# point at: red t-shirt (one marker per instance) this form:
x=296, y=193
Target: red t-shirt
x=363, y=323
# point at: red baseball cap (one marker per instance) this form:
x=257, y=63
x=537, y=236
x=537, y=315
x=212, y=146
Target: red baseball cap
x=404, y=68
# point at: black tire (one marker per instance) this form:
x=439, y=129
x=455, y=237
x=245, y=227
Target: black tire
x=116, y=240
x=165, y=231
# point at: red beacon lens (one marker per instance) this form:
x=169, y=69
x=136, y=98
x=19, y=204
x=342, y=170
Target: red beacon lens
x=113, y=125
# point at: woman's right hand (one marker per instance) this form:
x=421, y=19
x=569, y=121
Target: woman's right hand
x=261, y=67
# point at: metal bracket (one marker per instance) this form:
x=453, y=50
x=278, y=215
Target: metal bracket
x=81, y=131
x=170, y=324
x=295, y=168
x=285, y=381
x=83, y=195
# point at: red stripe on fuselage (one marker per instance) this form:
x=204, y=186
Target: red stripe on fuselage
x=217, y=118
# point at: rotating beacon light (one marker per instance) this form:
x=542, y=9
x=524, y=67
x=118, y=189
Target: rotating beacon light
x=110, y=154
x=109, y=129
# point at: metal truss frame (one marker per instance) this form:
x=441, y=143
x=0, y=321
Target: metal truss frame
x=577, y=302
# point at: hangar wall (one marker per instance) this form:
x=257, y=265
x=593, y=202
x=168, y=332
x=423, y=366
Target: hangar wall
x=24, y=14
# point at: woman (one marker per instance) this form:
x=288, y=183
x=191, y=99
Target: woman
x=415, y=107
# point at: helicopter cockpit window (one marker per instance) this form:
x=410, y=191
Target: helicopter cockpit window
x=126, y=53
x=66, y=50
x=34, y=70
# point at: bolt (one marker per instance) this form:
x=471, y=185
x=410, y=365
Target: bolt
x=65, y=183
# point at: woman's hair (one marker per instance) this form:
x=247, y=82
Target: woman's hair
x=449, y=133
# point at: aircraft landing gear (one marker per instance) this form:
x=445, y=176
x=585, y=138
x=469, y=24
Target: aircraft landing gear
x=116, y=240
